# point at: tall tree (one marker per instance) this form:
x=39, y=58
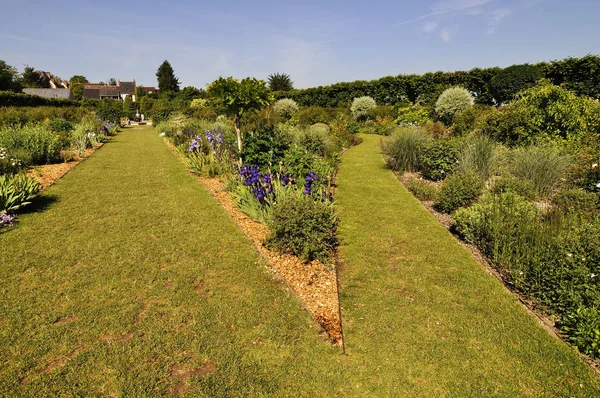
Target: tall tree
x=8, y=77
x=167, y=82
x=238, y=97
x=280, y=82
x=513, y=79
x=34, y=79
x=112, y=81
x=76, y=85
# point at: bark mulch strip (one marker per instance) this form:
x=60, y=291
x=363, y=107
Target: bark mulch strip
x=313, y=282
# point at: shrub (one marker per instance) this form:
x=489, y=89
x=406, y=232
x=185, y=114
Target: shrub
x=513, y=79
x=8, y=98
x=424, y=190
x=37, y=141
x=543, y=166
x=414, y=115
x=453, y=101
x=285, y=108
x=404, y=148
x=305, y=228
x=60, y=124
x=459, y=190
x=514, y=185
x=575, y=201
x=439, y=159
x=16, y=191
x=313, y=114
x=381, y=112
x=582, y=328
x=265, y=146
x=469, y=120
x=478, y=155
x=361, y=106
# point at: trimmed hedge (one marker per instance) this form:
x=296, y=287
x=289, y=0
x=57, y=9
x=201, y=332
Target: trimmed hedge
x=577, y=74
x=8, y=98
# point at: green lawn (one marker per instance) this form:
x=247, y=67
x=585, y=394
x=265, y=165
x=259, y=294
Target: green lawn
x=130, y=280
x=419, y=311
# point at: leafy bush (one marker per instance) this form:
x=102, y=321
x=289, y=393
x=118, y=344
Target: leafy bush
x=459, y=190
x=285, y=108
x=478, y=155
x=37, y=141
x=381, y=112
x=304, y=227
x=515, y=185
x=440, y=158
x=453, y=101
x=424, y=190
x=8, y=98
x=361, y=106
x=414, y=115
x=469, y=120
x=513, y=79
x=60, y=124
x=265, y=146
x=543, y=166
x=16, y=191
x=575, y=201
x=403, y=150
x=582, y=329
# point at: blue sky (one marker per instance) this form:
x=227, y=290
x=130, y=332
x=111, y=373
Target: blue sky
x=316, y=42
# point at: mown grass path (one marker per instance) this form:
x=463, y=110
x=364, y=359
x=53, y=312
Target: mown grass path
x=425, y=317
x=134, y=282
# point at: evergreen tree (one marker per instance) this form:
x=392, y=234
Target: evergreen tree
x=280, y=82
x=167, y=82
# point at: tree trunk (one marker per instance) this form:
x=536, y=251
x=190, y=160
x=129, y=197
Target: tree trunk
x=239, y=137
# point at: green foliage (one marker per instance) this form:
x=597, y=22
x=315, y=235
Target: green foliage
x=24, y=115
x=167, y=82
x=414, y=115
x=8, y=77
x=16, y=191
x=453, y=101
x=577, y=74
x=459, y=190
x=314, y=114
x=478, y=155
x=542, y=166
x=424, y=190
x=361, y=106
x=280, y=82
x=582, y=329
x=37, y=141
x=76, y=85
x=33, y=78
x=403, y=150
x=59, y=124
x=304, y=227
x=8, y=98
x=129, y=108
x=511, y=80
x=519, y=186
x=285, y=108
x=470, y=120
x=544, y=113
x=265, y=147
x=576, y=201
x=440, y=158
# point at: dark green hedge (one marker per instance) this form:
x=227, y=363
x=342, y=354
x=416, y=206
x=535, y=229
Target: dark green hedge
x=8, y=98
x=581, y=75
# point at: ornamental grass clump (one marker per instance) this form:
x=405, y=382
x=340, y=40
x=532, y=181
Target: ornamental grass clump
x=360, y=107
x=285, y=108
x=451, y=102
x=479, y=155
x=542, y=166
x=404, y=148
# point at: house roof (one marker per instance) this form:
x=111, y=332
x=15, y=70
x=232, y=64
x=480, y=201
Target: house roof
x=127, y=87
x=50, y=92
x=108, y=92
x=91, y=93
x=100, y=86
x=150, y=90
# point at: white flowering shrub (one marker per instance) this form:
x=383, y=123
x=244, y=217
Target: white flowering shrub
x=360, y=107
x=453, y=101
x=285, y=108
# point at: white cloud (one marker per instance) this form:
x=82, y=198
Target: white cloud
x=430, y=26
x=457, y=5
x=445, y=35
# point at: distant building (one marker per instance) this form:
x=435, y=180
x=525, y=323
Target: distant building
x=64, y=93
x=150, y=90
x=102, y=91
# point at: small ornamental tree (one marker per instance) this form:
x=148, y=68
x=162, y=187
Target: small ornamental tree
x=360, y=107
x=236, y=97
x=452, y=101
x=167, y=82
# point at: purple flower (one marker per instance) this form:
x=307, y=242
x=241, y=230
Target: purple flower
x=193, y=146
x=6, y=220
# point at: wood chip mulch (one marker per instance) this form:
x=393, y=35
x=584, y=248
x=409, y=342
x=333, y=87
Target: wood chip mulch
x=48, y=174
x=314, y=283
